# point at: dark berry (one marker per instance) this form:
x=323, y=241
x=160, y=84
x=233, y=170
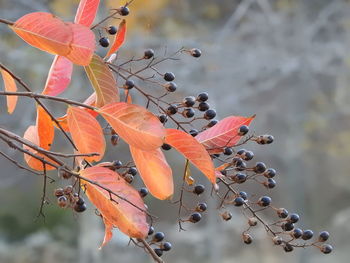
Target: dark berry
x=80, y=201
x=104, y=42
x=264, y=139
x=287, y=226
x=124, y=10
x=282, y=212
x=209, y=114
x=212, y=123
x=163, y=118
x=227, y=216
x=166, y=147
x=201, y=207
x=241, y=167
x=189, y=101
x=195, y=217
x=296, y=233
x=241, y=152
x=293, y=218
x=128, y=178
x=169, y=76
x=149, y=53
x=59, y=192
x=270, y=173
x=150, y=230
x=117, y=164
x=288, y=247
x=237, y=161
x=244, y=195
x=264, y=201
x=188, y=113
x=243, y=130
x=194, y=132
x=114, y=139
x=62, y=201
x=159, y=236
x=195, y=52
x=239, y=178
x=308, y=234
x=323, y=236
x=202, y=97
x=158, y=251
x=198, y=189
x=80, y=208
x=143, y=192
x=326, y=249
x=228, y=151
x=238, y=201
x=171, y=86
x=248, y=156
x=247, y=239
x=259, y=167
x=132, y=171
x=270, y=183
x=203, y=106
x=129, y=84
x=112, y=30
x=166, y=246
x=171, y=110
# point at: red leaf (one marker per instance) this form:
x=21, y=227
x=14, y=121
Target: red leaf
x=192, y=150
x=108, y=232
x=119, y=38
x=154, y=171
x=59, y=76
x=86, y=12
x=134, y=124
x=223, y=134
x=119, y=213
x=46, y=130
x=48, y=33
x=102, y=81
x=10, y=86
x=86, y=133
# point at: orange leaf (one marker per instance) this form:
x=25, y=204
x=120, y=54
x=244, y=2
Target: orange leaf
x=108, y=232
x=136, y=125
x=119, y=213
x=154, y=171
x=119, y=38
x=31, y=134
x=86, y=133
x=46, y=130
x=86, y=12
x=10, y=86
x=223, y=134
x=102, y=81
x=48, y=33
x=59, y=76
x=192, y=150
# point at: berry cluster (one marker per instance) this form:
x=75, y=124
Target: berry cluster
x=157, y=240
x=67, y=198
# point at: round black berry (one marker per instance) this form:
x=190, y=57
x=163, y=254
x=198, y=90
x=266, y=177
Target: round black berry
x=228, y=151
x=80, y=208
x=288, y=247
x=308, y=234
x=114, y=139
x=198, y=189
x=264, y=201
x=270, y=183
x=287, y=226
x=159, y=236
x=171, y=86
x=143, y=192
x=209, y=114
x=169, y=76
x=104, y=42
x=132, y=171
x=244, y=195
x=195, y=217
x=282, y=212
x=203, y=106
x=150, y=230
x=163, y=118
x=264, y=139
x=166, y=246
x=166, y=147
x=189, y=101
x=296, y=233
x=248, y=156
x=129, y=84
x=158, y=251
x=193, y=132
x=80, y=201
x=243, y=130
x=201, y=207
x=323, y=236
x=326, y=248
x=112, y=30
x=149, y=53
x=239, y=178
x=124, y=10
x=195, y=52
x=202, y=97
x=188, y=113
x=293, y=218
x=62, y=201
x=238, y=201
x=270, y=173
x=247, y=239
x=117, y=164
x=212, y=123
x=259, y=167
x=171, y=110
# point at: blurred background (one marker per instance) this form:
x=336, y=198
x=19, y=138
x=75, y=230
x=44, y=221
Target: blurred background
x=287, y=61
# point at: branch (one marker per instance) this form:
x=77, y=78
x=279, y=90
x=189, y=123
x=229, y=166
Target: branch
x=150, y=251
x=7, y=22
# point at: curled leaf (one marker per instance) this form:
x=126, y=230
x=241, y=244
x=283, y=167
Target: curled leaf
x=10, y=86
x=119, y=38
